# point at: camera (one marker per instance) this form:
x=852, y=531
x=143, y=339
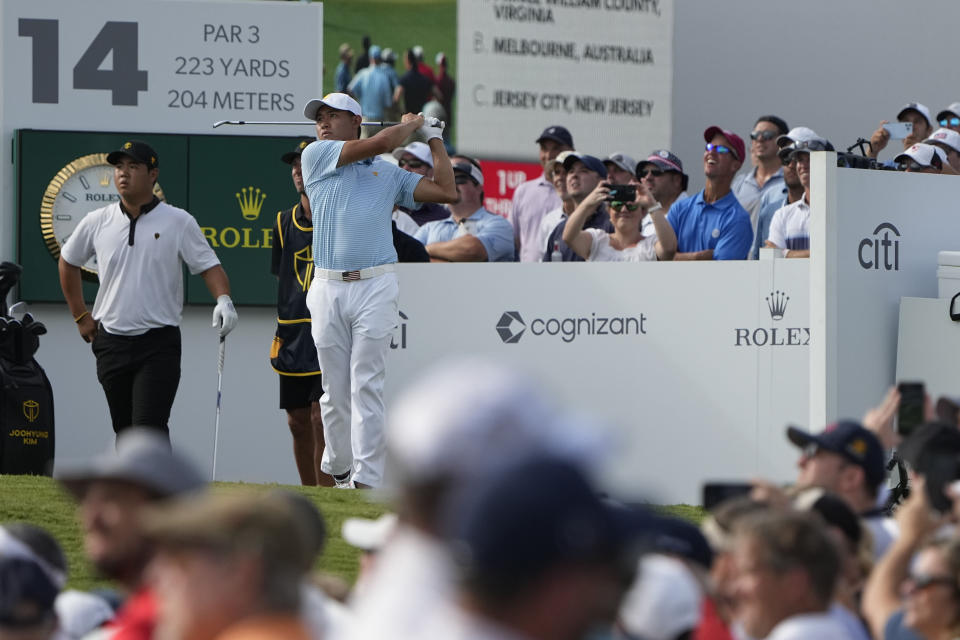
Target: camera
x=622, y=193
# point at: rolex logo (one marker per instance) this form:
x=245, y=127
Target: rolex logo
x=251, y=201
x=777, y=303
x=105, y=179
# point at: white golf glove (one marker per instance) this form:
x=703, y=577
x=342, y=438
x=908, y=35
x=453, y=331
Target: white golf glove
x=224, y=315
x=432, y=128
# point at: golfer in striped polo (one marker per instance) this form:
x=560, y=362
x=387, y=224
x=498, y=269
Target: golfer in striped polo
x=353, y=297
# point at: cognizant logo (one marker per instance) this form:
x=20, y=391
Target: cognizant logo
x=511, y=326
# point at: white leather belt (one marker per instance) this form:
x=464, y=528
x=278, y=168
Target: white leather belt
x=350, y=276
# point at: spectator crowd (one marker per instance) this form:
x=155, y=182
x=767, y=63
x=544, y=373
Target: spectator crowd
x=627, y=210
x=499, y=530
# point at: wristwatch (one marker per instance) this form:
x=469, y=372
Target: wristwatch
x=80, y=187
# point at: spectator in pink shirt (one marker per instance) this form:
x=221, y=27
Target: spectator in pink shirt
x=534, y=198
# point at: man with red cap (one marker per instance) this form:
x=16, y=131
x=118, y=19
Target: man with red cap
x=712, y=225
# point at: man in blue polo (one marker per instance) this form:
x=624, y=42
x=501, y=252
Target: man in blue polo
x=353, y=298
x=712, y=225
x=471, y=233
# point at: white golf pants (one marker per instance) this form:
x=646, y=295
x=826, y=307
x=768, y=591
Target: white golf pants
x=352, y=323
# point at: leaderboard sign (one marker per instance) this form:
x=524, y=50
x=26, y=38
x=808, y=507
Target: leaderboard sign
x=171, y=66
x=602, y=68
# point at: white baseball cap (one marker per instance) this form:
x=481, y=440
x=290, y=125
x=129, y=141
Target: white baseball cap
x=340, y=101
x=919, y=108
x=419, y=150
x=470, y=416
x=797, y=134
x=945, y=136
x=926, y=155
x=663, y=602
x=369, y=535
x=952, y=110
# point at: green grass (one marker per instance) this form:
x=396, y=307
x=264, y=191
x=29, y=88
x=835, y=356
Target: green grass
x=397, y=24
x=42, y=502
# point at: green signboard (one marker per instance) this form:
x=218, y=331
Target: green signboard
x=233, y=185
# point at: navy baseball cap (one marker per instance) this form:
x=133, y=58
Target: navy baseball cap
x=289, y=156
x=590, y=162
x=557, y=134
x=535, y=515
x=27, y=593
x=662, y=159
x=139, y=151
x=852, y=441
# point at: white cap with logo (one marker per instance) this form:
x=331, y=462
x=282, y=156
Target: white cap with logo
x=945, y=136
x=339, y=101
x=419, y=150
x=926, y=155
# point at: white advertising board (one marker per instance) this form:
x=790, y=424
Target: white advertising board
x=694, y=369
x=173, y=66
x=602, y=68
x=874, y=239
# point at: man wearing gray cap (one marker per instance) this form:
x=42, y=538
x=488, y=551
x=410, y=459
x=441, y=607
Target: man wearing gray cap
x=662, y=175
x=112, y=491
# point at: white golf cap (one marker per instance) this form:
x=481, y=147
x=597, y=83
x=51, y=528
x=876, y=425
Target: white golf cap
x=944, y=136
x=664, y=601
x=797, y=134
x=419, y=150
x=952, y=110
x=622, y=160
x=468, y=417
x=340, y=101
x=470, y=169
x=926, y=155
x=919, y=108
x=369, y=535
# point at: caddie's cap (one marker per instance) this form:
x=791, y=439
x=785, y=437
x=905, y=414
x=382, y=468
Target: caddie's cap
x=339, y=101
x=735, y=141
x=622, y=160
x=557, y=134
x=945, y=136
x=237, y=522
x=289, y=156
x=919, y=108
x=590, y=162
x=142, y=456
x=926, y=155
x=469, y=169
x=139, y=151
x=419, y=150
x=952, y=110
x=662, y=159
x=852, y=441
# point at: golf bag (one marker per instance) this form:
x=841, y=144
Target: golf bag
x=26, y=397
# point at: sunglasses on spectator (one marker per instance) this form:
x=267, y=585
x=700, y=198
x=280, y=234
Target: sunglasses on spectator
x=719, y=148
x=921, y=581
x=950, y=122
x=413, y=164
x=763, y=135
x=655, y=173
x=913, y=166
x=631, y=206
x=461, y=179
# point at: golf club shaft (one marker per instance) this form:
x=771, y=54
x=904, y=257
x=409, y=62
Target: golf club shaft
x=304, y=122
x=216, y=428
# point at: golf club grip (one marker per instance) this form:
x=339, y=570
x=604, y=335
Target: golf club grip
x=223, y=351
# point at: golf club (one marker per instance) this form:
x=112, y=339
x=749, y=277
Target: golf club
x=216, y=428
x=305, y=122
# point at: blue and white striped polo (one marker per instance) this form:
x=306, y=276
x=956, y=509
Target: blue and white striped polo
x=351, y=206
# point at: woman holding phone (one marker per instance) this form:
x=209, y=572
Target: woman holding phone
x=627, y=208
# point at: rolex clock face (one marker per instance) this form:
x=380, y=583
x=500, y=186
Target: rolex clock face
x=80, y=187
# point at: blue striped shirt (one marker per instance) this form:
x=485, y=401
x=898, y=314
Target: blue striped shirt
x=352, y=206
